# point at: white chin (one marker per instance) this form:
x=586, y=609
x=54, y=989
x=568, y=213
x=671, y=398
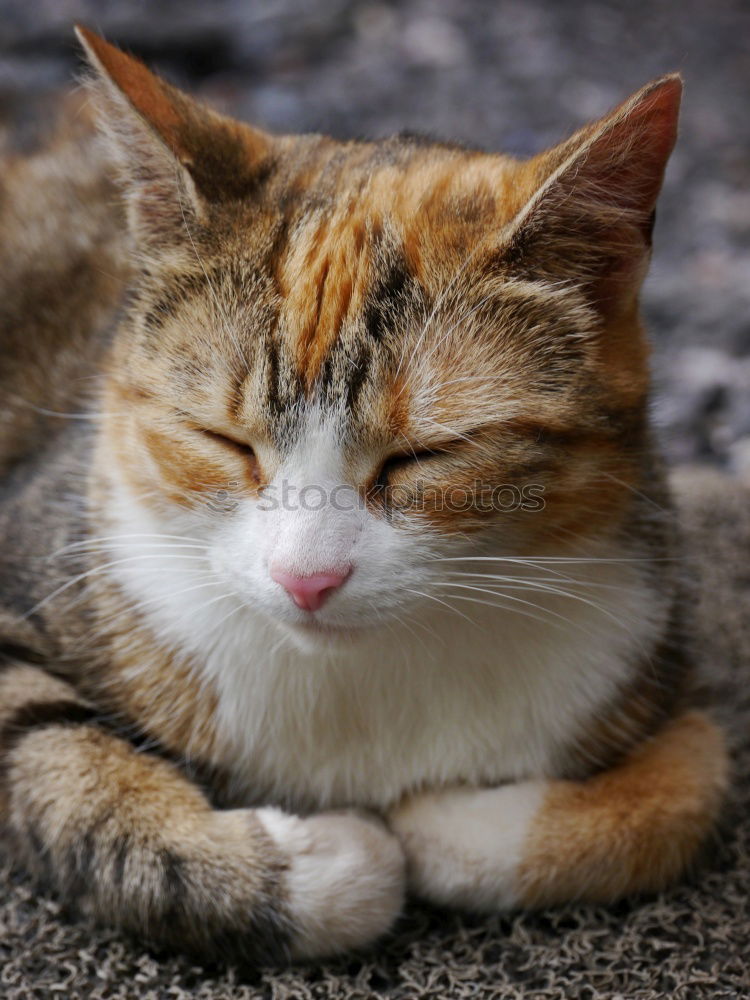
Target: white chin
x=314, y=635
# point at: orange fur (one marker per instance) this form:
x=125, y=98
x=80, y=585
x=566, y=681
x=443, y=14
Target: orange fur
x=633, y=828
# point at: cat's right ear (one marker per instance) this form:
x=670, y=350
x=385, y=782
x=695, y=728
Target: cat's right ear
x=176, y=157
x=588, y=204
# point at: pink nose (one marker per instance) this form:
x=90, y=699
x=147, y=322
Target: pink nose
x=309, y=592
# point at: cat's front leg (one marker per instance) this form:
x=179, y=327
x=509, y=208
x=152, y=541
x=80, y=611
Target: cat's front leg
x=633, y=828
x=127, y=839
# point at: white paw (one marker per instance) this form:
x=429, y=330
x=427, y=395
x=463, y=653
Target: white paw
x=463, y=845
x=345, y=881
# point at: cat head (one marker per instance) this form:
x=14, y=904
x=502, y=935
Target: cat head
x=346, y=362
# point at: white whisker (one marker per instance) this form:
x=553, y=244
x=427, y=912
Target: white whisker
x=431, y=597
x=100, y=569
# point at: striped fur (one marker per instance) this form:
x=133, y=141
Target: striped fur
x=390, y=324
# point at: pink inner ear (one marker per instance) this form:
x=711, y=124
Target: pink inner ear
x=149, y=95
x=631, y=155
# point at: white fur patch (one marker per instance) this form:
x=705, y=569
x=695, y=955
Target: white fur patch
x=464, y=845
x=345, y=881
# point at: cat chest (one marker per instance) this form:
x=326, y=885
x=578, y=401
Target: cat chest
x=366, y=743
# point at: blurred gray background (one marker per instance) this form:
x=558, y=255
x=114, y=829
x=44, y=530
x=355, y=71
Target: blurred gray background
x=512, y=75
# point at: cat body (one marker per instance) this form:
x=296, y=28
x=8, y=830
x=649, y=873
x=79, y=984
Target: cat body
x=268, y=575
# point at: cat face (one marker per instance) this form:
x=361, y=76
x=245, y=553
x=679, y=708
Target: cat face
x=347, y=364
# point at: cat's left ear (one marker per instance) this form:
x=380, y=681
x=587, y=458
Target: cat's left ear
x=177, y=157
x=590, y=203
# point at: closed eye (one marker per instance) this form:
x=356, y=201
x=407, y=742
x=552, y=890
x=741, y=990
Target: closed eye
x=405, y=461
x=228, y=442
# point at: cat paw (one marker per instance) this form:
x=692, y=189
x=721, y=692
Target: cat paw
x=464, y=845
x=345, y=881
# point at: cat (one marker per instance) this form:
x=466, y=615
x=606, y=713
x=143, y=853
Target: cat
x=338, y=559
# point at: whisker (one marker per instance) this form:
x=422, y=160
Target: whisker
x=542, y=588
x=512, y=609
x=531, y=561
x=532, y=581
x=226, y=617
x=407, y=622
x=638, y=493
x=138, y=605
x=100, y=569
x=178, y=547
x=546, y=611
x=93, y=415
x=136, y=534
x=432, y=597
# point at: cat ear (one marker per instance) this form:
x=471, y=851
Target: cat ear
x=591, y=211
x=176, y=156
